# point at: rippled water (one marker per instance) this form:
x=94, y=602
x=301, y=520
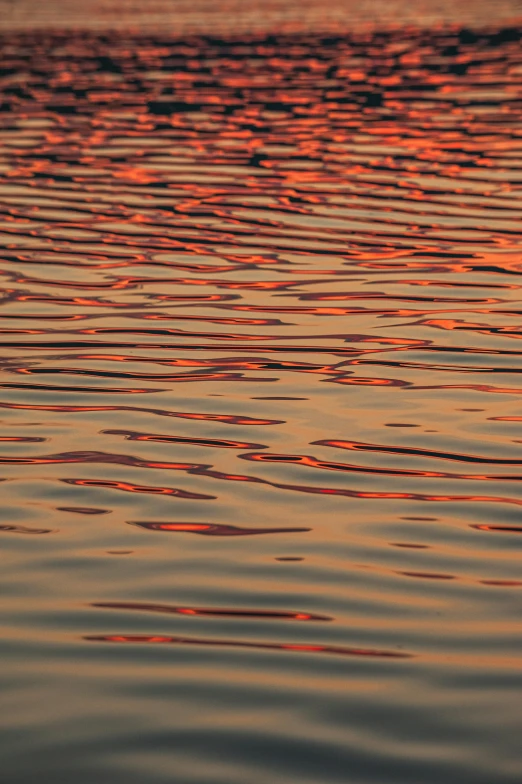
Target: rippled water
x=260, y=399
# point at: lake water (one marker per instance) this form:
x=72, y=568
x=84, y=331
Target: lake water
x=260, y=401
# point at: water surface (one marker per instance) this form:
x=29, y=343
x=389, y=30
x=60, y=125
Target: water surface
x=260, y=405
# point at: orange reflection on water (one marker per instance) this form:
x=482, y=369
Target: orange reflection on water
x=313, y=233
x=336, y=650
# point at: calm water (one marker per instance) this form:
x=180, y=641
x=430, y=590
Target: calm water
x=260, y=405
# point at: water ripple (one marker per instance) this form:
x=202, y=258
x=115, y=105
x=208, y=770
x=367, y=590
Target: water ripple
x=261, y=291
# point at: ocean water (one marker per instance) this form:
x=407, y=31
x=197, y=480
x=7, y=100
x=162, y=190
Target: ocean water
x=260, y=401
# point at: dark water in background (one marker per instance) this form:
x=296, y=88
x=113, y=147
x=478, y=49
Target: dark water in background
x=260, y=408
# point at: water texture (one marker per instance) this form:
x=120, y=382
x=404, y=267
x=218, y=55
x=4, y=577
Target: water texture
x=260, y=401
